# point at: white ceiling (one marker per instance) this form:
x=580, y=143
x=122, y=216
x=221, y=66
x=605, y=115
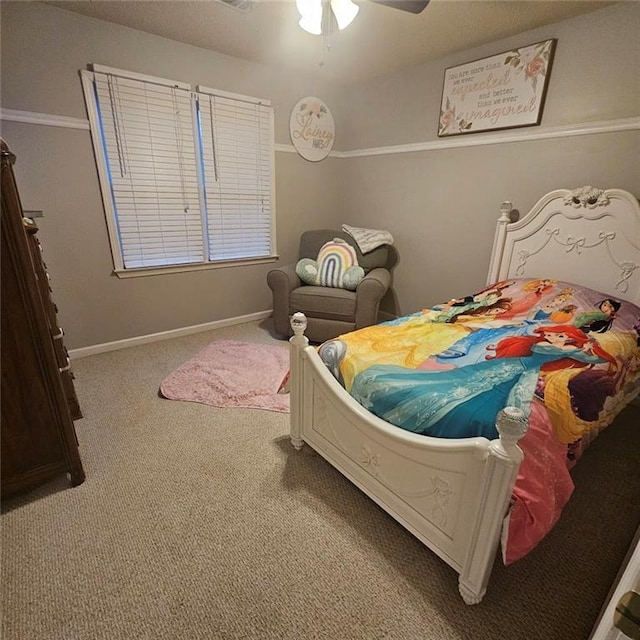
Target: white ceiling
x=379, y=41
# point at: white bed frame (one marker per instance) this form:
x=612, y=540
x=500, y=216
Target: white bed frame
x=453, y=494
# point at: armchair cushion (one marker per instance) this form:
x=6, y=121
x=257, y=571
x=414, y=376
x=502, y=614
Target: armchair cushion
x=336, y=266
x=312, y=241
x=329, y=303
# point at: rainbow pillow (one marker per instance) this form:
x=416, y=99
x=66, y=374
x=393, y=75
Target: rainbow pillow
x=336, y=266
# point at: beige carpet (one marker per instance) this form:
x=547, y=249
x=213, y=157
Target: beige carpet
x=196, y=522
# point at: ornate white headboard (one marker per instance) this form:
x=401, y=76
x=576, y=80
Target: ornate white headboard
x=587, y=236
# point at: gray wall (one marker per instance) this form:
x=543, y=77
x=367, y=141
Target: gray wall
x=440, y=205
x=42, y=50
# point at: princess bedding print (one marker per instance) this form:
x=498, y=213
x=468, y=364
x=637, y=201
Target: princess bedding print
x=567, y=355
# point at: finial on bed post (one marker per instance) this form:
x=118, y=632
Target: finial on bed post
x=505, y=212
x=511, y=424
x=498, y=242
x=501, y=470
x=297, y=343
x=298, y=324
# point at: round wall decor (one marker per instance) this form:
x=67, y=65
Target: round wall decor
x=312, y=128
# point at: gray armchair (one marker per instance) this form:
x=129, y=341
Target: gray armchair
x=330, y=311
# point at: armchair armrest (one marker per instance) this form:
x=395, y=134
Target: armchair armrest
x=284, y=276
x=369, y=294
x=282, y=281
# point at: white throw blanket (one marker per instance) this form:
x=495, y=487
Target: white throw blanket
x=368, y=239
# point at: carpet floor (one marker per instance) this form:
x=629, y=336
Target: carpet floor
x=197, y=522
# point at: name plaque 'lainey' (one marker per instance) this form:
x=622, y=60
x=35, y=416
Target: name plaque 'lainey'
x=312, y=128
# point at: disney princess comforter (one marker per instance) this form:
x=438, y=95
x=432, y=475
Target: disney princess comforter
x=568, y=356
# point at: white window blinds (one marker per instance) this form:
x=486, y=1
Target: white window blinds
x=237, y=156
x=188, y=175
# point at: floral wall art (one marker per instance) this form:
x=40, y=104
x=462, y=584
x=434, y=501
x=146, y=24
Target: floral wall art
x=500, y=92
x=312, y=128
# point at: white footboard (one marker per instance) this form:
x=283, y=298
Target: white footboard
x=451, y=494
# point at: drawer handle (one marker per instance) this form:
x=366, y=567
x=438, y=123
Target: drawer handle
x=59, y=335
x=66, y=368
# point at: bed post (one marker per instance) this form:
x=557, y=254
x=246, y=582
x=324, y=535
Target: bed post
x=500, y=474
x=498, y=242
x=296, y=344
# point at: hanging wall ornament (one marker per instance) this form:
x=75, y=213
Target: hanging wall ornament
x=312, y=129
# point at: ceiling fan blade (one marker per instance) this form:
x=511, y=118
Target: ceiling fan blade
x=414, y=6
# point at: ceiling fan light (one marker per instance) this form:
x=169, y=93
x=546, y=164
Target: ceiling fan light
x=344, y=11
x=311, y=15
x=311, y=26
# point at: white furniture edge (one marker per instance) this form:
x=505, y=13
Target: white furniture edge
x=453, y=494
x=590, y=234
x=628, y=579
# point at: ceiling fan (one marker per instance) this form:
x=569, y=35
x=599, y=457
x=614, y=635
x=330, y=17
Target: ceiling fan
x=344, y=11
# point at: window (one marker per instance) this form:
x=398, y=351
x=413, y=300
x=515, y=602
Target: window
x=186, y=176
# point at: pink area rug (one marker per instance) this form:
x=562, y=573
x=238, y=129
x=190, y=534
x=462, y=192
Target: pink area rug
x=232, y=374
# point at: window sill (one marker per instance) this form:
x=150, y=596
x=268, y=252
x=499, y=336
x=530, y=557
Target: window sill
x=183, y=268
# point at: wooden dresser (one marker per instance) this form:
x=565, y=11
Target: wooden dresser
x=38, y=398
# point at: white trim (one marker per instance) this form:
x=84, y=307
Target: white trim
x=628, y=581
x=83, y=352
x=274, y=206
x=200, y=266
x=519, y=135
x=87, y=80
x=202, y=198
x=121, y=73
x=516, y=135
x=504, y=137
x=234, y=96
x=51, y=120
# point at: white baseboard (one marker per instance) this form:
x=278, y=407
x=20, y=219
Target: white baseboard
x=82, y=352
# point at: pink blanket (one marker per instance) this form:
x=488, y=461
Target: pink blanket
x=543, y=488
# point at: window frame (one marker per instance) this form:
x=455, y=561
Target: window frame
x=97, y=137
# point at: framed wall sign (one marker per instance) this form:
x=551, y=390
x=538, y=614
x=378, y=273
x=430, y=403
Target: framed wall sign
x=312, y=128
x=500, y=92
